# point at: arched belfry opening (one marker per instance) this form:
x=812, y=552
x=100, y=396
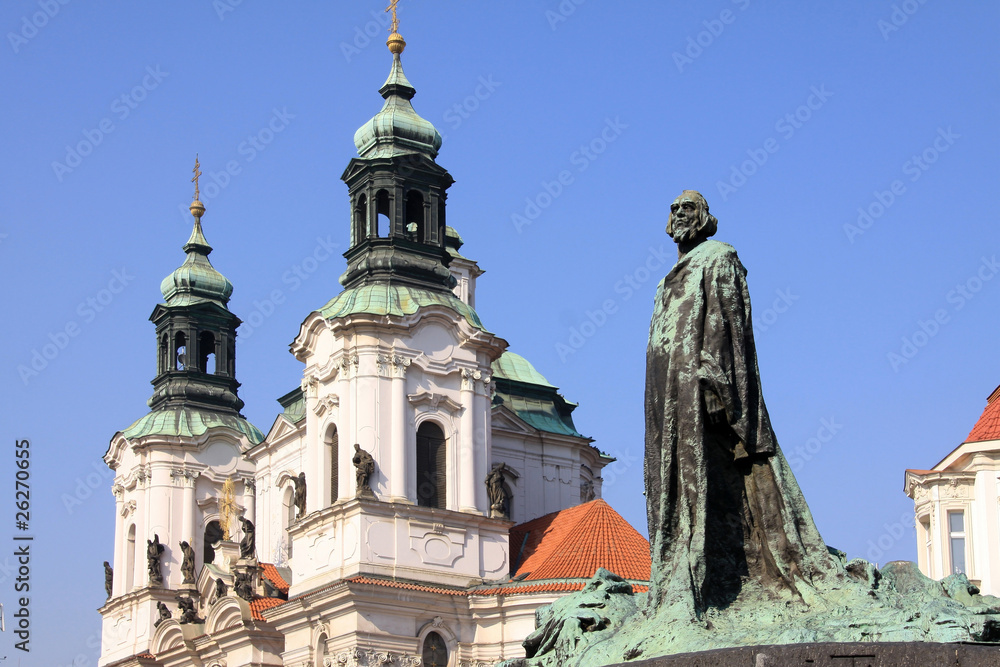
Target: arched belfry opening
x=415, y=222
x=382, y=210
x=432, y=462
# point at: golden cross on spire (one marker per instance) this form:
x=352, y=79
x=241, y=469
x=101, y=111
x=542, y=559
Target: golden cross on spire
x=395, y=19
x=197, y=173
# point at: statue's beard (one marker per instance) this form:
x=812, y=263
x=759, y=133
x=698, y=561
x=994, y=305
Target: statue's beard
x=685, y=231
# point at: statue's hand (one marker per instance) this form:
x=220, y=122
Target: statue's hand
x=715, y=409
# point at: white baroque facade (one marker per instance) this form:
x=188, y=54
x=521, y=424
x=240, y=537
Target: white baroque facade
x=957, y=507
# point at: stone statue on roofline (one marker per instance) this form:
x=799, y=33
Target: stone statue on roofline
x=737, y=559
x=109, y=578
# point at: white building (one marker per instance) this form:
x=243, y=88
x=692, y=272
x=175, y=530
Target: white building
x=957, y=504
x=415, y=560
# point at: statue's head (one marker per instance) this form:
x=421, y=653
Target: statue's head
x=357, y=447
x=184, y=544
x=302, y=476
x=690, y=219
x=106, y=564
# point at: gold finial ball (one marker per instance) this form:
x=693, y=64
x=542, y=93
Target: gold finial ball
x=197, y=208
x=396, y=43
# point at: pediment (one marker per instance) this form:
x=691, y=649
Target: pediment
x=504, y=419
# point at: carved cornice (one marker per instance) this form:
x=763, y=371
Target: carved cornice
x=435, y=401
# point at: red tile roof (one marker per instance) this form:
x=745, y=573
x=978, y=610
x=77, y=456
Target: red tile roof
x=258, y=606
x=271, y=573
x=551, y=587
x=573, y=543
x=361, y=579
x=988, y=426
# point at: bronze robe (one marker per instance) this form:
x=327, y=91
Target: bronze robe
x=717, y=519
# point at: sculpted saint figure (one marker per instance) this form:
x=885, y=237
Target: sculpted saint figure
x=300, y=495
x=724, y=510
x=109, y=578
x=187, y=564
x=499, y=500
x=364, y=466
x=248, y=547
x=154, y=550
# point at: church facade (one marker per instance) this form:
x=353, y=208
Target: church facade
x=423, y=491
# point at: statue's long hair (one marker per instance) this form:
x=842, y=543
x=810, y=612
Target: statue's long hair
x=708, y=223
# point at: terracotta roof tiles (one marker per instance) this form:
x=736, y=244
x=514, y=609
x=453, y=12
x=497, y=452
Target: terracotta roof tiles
x=573, y=543
x=258, y=606
x=272, y=574
x=988, y=426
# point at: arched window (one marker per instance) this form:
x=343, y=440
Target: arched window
x=431, y=466
x=213, y=535
x=360, y=218
x=130, y=560
x=180, y=351
x=321, y=651
x=333, y=440
x=287, y=515
x=435, y=652
x=384, y=228
x=415, y=216
x=206, y=352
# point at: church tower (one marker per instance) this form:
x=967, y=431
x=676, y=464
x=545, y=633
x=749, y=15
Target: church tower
x=172, y=465
x=397, y=377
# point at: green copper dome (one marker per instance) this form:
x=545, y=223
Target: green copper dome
x=196, y=280
x=397, y=129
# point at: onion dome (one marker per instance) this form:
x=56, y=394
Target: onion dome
x=196, y=280
x=397, y=129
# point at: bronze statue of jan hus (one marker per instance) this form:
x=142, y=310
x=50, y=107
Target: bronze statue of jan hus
x=724, y=510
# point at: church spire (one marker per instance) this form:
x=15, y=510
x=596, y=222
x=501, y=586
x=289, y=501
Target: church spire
x=195, y=330
x=397, y=191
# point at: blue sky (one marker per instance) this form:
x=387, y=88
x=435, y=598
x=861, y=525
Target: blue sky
x=848, y=149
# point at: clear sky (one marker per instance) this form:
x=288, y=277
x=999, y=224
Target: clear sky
x=848, y=149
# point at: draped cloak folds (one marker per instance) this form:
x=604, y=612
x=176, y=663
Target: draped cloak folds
x=718, y=520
